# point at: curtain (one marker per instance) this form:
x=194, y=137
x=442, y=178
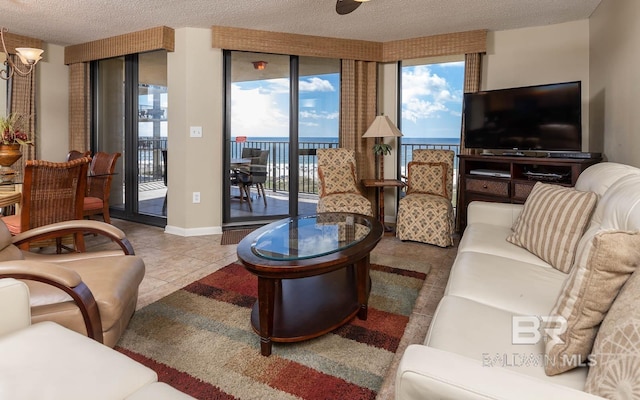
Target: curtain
x=472, y=77
x=358, y=102
x=23, y=102
x=79, y=107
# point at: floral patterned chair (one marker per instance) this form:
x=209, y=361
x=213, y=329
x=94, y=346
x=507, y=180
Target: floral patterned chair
x=339, y=190
x=425, y=214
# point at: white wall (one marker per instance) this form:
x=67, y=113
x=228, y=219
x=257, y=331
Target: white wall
x=615, y=79
x=52, y=107
x=195, y=85
x=540, y=55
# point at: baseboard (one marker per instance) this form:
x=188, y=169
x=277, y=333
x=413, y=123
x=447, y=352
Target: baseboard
x=210, y=230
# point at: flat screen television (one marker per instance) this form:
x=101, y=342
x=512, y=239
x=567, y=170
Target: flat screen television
x=541, y=118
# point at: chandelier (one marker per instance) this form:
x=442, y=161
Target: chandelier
x=29, y=56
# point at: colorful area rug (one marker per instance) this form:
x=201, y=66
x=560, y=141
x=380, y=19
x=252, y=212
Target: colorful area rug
x=200, y=341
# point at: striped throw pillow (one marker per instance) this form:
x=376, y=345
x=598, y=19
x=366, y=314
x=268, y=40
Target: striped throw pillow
x=552, y=222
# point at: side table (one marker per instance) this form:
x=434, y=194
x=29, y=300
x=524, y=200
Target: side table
x=380, y=184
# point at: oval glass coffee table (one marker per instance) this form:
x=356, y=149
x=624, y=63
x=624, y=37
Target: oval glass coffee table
x=313, y=274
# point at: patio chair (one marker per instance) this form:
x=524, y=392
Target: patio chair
x=425, y=213
x=256, y=174
x=96, y=201
x=339, y=189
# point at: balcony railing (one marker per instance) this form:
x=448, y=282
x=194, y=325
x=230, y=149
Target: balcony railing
x=278, y=165
x=150, y=162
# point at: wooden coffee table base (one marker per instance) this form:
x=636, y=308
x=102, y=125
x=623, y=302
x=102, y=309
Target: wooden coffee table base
x=292, y=310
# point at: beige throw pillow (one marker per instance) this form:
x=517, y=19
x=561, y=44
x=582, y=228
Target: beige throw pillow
x=603, y=264
x=427, y=178
x=338, y=179
x=614, y=371
x=552, y=222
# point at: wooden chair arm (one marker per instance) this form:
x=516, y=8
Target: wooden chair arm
x=64, y=279
x=60, y=229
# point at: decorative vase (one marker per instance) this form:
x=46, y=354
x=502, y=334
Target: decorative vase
x=9, y=154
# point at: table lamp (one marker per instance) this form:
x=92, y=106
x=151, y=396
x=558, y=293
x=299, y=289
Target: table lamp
x=381, y=127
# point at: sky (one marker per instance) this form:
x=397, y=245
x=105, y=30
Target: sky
x=431, y=104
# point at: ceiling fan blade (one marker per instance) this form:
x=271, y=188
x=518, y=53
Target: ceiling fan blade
x=346, y=6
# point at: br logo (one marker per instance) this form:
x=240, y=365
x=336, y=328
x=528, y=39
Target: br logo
x=531, y=329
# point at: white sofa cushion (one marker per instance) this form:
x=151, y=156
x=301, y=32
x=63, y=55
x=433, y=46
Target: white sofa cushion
x=484, y=333
x=552, y=222
x=502, y=282
x=429, y=373
x=490, y=239
x=47, y=361
x=603, y=265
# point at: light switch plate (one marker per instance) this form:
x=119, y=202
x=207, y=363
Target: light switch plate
x=196, y=197
x=195, y=131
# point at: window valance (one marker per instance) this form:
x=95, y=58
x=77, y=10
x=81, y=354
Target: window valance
x=317, y=46
x=158, y=38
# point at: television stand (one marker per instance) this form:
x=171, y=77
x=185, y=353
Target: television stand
x=511, y=178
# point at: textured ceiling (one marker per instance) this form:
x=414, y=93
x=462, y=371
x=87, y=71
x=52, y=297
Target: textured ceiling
x=67, y=22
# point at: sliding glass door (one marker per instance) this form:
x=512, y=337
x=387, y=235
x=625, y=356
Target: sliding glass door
x=282, y=108
x=130, y=117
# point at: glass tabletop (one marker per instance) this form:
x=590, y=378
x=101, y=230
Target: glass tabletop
x=310, y=236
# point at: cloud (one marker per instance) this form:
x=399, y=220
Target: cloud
x=315, y=84
x=255, y=111
x=425, y=94
x=322, y=115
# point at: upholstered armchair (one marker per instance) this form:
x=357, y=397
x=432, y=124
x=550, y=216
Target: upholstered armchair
x=339, y=190
x=94, y=293
x=425, y=214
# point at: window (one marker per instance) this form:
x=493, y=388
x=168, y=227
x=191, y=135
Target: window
x=431, y=106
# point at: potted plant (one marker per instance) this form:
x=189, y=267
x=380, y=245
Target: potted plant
x=12, y=139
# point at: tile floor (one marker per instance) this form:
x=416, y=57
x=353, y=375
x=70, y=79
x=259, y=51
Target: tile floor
x=174, y=261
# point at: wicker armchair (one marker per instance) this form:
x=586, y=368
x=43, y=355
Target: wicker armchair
x=96, y=201
x=425, y=214
x=52, y=192
x=339, y=189
x=75, y=154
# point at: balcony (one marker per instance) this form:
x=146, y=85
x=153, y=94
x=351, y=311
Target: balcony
x=151, y=183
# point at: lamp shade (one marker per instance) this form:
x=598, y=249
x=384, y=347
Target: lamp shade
x=29, y=55
x=382, y=127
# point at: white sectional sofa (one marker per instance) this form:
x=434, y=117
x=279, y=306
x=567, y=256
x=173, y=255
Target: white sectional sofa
x=47, y=361
x=469, y=351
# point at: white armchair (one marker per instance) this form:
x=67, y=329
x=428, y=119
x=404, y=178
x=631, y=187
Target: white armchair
x=48, y=361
